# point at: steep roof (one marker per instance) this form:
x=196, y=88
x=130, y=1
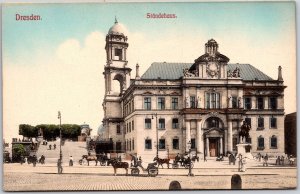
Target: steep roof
x=173, y=71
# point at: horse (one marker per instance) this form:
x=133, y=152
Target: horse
x=161, y=161
x=244, y=133
x=117, y=164
x=90, y=158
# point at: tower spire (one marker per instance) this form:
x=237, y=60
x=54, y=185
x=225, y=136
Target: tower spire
x=137, y=71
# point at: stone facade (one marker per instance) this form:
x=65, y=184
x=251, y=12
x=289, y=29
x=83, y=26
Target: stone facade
x=175, y=107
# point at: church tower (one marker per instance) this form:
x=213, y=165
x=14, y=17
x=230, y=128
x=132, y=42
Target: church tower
x=117, y=80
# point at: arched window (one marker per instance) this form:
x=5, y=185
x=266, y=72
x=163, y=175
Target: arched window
x=213, y=122
x=273, y=142
x=260, y=143
x=117, y=84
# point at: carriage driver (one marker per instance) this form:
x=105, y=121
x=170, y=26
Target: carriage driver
x=135, y=160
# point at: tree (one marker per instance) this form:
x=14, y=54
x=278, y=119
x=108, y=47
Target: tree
x=27, y=130
x=18, y=151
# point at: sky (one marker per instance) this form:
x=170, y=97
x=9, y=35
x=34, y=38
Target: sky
x=56, y=64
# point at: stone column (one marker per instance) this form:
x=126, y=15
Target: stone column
x=266, y=103
x=229, y=135
x=207, y=147
x=221, y=145
x=187, y=134
x=199, y=137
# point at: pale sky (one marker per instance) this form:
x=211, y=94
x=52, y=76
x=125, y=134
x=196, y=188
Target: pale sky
x=57, y=63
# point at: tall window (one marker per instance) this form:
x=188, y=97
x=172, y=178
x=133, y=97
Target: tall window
x=193, y=143
x=132, y=123
x=273, y=103
x=247, y=103
x=161, y=103
x=174, y=103
x=161, y=123
x=147, y=103
x=193, y=101
x=213, y=122
x=212, y=100
x=129, y=127
x=133, y=144
x=162, y=144
x=234, y=102
x=274, y=142
x=260, y=103
x=273, y=122
x=175, y=144
x=260, y=143
x=248, y=121
x=118, y=129
x=118, y=54
x=260, y=123
x=147, y=123
x=148, y=144
x=175, y=124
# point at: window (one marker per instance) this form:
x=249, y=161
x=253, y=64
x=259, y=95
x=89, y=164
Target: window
x=175, y=124
x=129, y=145
x=161, y=123
x=162, y=144
x=260, y=143
x=193, y=143
x=132, y=105
x=148, y=144
x=147, y=123
x=260, y=103
x=213, y=122
x=129, y=105
x=192, y=102
x=274, y=142
x=132, y=124
x=133, y=144
x=248, y=121
x=174, y=103
x=273, y=122
x=118, y=54
x=248, y=103
x=273, y=103
x=212, y=100
x=161, y=103
x=260, y=123
x=175, y=144
x=147, y=103
x=118, y=129
x=129, y=127
x=234, y=102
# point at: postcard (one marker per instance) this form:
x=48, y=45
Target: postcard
x=149, y=96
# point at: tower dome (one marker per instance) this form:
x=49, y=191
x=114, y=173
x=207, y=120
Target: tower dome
x=117, y=28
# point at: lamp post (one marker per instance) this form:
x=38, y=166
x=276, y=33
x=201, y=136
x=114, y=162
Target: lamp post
x=59, y=163
x=156, y=128
x=190, y=161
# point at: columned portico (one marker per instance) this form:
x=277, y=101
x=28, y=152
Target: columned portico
x=187, y=134
x=229, y=140
x=199, y=137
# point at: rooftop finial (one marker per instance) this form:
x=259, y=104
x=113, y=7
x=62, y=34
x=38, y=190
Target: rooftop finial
x=280, y=74
x=116, y=21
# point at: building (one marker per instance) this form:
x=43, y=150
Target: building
x=290, y=134
x=173, y=107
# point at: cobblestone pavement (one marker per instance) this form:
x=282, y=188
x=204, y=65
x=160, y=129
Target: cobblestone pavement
x=207, y=176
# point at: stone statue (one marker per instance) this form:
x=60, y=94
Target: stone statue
x=186, y=73
x=244, y=133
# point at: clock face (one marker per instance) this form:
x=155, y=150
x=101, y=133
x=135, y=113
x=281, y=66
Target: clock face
x=212, y=69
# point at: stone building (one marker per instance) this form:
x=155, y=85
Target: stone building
x=173, y=107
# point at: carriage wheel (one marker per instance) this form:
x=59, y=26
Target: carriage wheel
x=80, y=161
x=153, y=172
x=102, y=163
x=135, y=172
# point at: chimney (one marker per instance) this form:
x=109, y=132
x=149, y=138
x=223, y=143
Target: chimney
x=280, y=74
x=137, y=76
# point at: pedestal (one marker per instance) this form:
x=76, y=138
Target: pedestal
x=241, y=149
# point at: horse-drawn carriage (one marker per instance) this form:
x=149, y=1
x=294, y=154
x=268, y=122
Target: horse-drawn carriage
x=184, y=162
x=151, y=169
x=102, y=159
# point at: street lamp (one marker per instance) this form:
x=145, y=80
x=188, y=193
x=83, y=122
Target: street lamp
x=156, y=133
x=190, y=161
x=59, y=163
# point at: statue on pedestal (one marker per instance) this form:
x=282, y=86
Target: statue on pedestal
x=244, y=133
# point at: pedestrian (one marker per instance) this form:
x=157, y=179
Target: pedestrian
x=71, y=161
x=282, y=160
x=34, y=160
x=54, y=146
x=266, y=160
x=50, y=146
x=259, y=157
x=22, y=160
x=59, y=166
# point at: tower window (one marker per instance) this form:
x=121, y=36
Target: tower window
x=118, y=54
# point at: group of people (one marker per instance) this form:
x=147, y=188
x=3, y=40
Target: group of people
x=50, y=146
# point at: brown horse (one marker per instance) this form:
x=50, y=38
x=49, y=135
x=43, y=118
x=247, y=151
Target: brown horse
x=90, y=158
x=161, y=161
x=116, y=164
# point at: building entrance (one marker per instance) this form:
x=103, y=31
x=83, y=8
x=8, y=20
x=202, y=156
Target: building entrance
x=213, y=148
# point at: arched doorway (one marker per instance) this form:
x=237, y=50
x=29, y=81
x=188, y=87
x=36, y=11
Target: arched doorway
x=214, y=137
